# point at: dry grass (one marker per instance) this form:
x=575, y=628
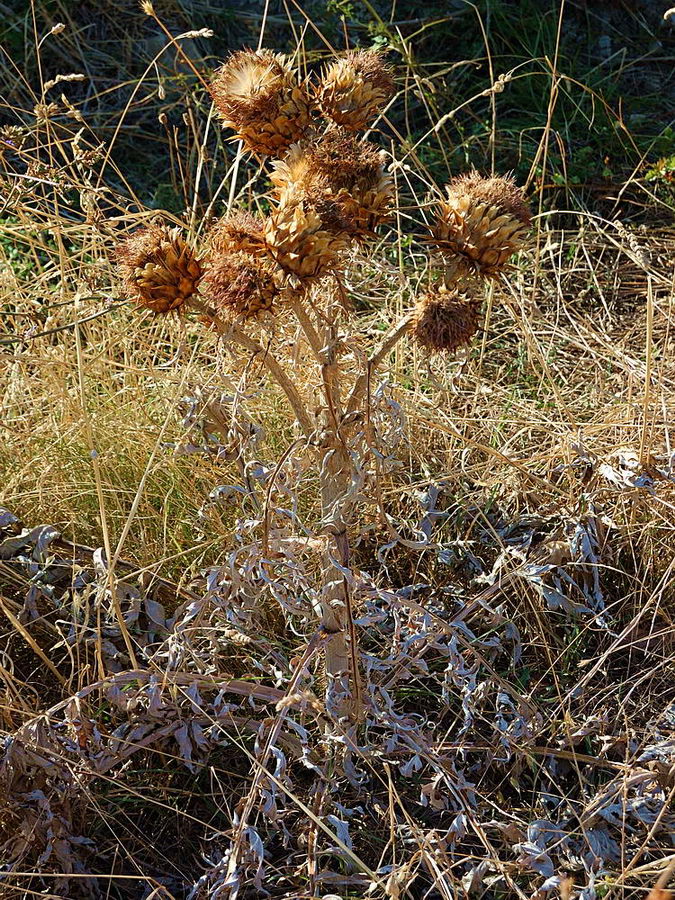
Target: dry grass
x=512, y=573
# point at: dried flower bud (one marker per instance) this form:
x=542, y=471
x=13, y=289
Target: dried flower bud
x=240, y=283
x=258, y=95
x=12, y=139
x=354, y=89
x=159, y=269
x=482, y=224
x=445, y=320
x=306, y=234
x=239, y=231
x=352, y=170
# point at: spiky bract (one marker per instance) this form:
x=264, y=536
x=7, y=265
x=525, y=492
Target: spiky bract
x=258, y=95
x=239, y=231
x=445, y=320
x=306, y=234
x=483, y=222
x=238, y=283
x=351, y=169
x=355, y=88
x=160, y=271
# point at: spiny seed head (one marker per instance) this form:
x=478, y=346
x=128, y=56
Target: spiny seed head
x=483, y=222
x=159, y=269
x=237, y=231
x=355, y=88
x=352, y=170
x=257, y=94
x=306, y=234
x=240, y=284
x=445, y=320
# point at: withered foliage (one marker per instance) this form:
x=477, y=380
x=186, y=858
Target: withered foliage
x=444, y=704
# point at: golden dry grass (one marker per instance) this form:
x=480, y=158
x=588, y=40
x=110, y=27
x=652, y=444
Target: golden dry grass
x=540, y=460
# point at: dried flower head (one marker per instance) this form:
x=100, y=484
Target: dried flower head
x=258, y=95
x=483, y=222
x=354, y=89
x=238, y=231
x=351, y=169
x=445, y=320
x=12, y=139
x=240, y=283
x=306, y=234
x=159, y=269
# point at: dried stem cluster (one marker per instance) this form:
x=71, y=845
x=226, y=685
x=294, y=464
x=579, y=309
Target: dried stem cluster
x=330, y=192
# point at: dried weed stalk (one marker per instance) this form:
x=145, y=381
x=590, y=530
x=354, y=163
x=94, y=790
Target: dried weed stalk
x=331, y=191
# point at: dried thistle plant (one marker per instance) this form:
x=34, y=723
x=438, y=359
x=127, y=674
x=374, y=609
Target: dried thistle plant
x=258, y=95
x=330, y=191
x=354, y=90
x=159, y=269
x=481, y=224
x=445, y=320
x=353, y=170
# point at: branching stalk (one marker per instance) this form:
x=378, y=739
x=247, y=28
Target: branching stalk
x=231, y=331
x=389, y=342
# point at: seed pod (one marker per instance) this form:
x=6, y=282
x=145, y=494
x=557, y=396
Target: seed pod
x=258, y=95
x=306, y=234
x=239, y=283
x=159, y=269
x=354, y=89
x=352, y=170
x=445, y=320
x=483, y=222
x=239, y=231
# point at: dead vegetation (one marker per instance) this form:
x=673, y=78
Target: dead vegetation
x=167, y=731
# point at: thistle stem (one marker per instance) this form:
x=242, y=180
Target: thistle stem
x=388, y=343
x=230, y=330
x=309, y=330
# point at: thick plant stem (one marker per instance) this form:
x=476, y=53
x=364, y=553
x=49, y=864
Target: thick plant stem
x=343, y=693
x=230, y=330
x=343, y=696
x=389, y=341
